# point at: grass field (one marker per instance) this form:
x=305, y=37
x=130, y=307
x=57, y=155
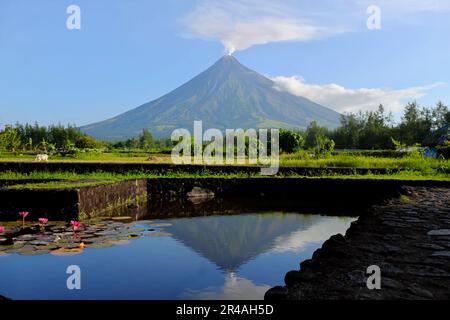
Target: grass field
x=73, y=180
x=92, y=157
x=414, y=167
x=301, y=159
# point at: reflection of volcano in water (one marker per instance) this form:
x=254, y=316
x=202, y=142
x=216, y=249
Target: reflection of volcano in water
x=234, y=288
x=230, y=241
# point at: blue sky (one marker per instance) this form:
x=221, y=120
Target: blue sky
x=131, y=52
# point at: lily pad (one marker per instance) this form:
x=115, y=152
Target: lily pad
x=161, y=225
x=159, y=234
x=66, y=252
x=123, y=218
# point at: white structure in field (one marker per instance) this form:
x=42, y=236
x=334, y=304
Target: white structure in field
x=41, y=157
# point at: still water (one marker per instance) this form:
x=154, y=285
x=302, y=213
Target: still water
x=208, y=257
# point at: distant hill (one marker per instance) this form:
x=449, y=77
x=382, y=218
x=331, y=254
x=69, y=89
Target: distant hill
x=226, y=95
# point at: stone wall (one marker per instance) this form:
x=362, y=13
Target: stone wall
x=104, y=200
x=320, y=192
x=170, y=195
x=73, y=203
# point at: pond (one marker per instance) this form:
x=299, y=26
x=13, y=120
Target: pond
x=208, y=257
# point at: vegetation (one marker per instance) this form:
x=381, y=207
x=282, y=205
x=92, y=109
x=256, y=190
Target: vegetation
x=51, y=139
x=59, y=140
x=143, y=141
x=371, y=130
x=290, y=141
x=374, y=129
x=73, y=180
x=443, y=150
x=413, y=162
x=63, y=184
x=371, y=139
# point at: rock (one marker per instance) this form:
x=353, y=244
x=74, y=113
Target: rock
x=430, y=246
x=334, y=241
x=5, y=241
x=305, y=264
x=409, y=242
x=441, y=254
x=292, y=277
x=390, y=283
x=420, y=292
x=276, y=294
x=439, y=232
x=198, y=192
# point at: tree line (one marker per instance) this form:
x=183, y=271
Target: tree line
x=371, y=129
x=38, y=138
x=361, y=130
x=145, y=141
x=68, y=139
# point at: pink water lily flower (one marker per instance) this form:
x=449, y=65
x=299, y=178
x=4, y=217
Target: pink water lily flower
x=23, y=214
x=43, y=220
x=75, y=224
x=2, y=229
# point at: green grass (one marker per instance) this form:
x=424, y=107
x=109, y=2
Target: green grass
x=300, y=159
x=410, y=168
x=89, y=156
x=60, y=184
x=403, y=176
x=347, y=160
x=65, y=175
x=73, y=179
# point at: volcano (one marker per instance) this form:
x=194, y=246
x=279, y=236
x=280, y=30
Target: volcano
x=226, y=95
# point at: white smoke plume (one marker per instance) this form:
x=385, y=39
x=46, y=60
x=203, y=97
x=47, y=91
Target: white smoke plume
x=239, y=25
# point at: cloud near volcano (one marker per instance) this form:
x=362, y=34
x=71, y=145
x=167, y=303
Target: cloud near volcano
x=239, y=25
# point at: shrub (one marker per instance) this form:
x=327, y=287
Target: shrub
x=444, y=150
x=324, y=146
x=87, y=142
x=290, y=141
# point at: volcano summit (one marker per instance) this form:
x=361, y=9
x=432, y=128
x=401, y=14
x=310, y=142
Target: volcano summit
x=226, y=95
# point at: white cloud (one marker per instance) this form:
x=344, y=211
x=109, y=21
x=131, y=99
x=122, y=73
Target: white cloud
x=240, y=24
x=409, y=6
x=351, y=100
x=234, y=288
x=319, y=232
